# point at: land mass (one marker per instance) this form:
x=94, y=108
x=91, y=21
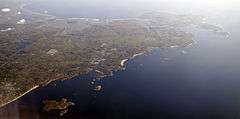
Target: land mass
x=62, y=105
x=37, y=48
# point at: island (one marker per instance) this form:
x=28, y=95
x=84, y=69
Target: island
x=62, y=105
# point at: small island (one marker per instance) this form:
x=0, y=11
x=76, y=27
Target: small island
x=61, y=105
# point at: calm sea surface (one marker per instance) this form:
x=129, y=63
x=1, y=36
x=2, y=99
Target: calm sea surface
x=197, y=82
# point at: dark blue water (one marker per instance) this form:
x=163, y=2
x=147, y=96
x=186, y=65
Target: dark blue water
x=200, y=83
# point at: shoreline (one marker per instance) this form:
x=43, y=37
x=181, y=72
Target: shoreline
x=123, y=62
x=35, y=87
x=15, y=99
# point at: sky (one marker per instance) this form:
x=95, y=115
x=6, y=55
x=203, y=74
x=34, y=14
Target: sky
x=218, y=4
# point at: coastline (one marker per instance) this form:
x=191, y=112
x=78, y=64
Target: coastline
x=35, y=87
